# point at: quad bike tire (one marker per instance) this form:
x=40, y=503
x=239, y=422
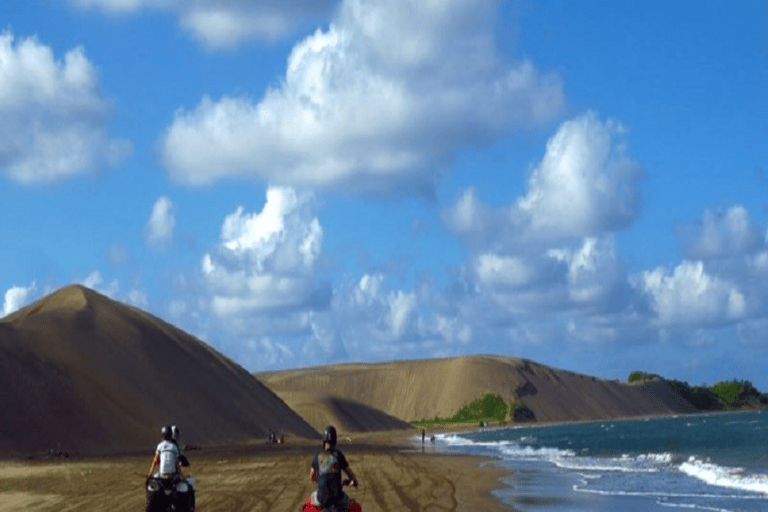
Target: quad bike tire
x=156, y=502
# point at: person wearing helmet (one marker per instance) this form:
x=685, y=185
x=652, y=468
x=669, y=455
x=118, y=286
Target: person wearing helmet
x=327, y=467
x=167, y=456
x=175, y=434
x=169, y=460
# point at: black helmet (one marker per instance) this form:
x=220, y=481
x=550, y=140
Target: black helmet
x=167, y=432
x=329, y=436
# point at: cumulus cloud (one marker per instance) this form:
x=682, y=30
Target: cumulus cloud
x=509, y=271
x=402, y=307
x=689, y=295
x=266, y=260
x=159, y=228
x=369, y=318
x=594, y=271
x=722, y=234
x=545, y=281
x=381, y=99
x=585, y=184
x=95, y=281
x=16, y=297
x=53, y=117
x=226, y=24
x=550, y=253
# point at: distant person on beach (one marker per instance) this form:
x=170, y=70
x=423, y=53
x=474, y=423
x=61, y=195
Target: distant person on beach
x=423, y=435
x=327, y=467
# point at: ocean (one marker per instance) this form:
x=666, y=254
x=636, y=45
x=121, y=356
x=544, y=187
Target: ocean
x=716, y=462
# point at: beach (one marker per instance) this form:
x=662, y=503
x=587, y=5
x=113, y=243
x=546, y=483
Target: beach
x=394, y=475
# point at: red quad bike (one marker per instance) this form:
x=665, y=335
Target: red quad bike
x=309, y=507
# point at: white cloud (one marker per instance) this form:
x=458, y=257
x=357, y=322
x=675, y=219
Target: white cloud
x=382, y=98
x=92, y=280
x=494, y=269
x=691, y=296
x=269, y=353
x=53, y=116
x=453, y=330
x=584, y=185
x=161, y=222
x=594, y=272
x=138, y=298
x=368, y=289
x=468, y=216
x=16, y=297
x=120, y=6
x=722, y=234
x=550, y=253
x=226, y=24
x=265, y=260
x=95, y=281
x=402, y=308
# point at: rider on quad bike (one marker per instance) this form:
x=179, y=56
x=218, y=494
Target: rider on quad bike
x=168, y=487
x=327, y=466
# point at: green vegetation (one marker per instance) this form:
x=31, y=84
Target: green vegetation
x=642, y=377
x=490, y=407
x=700, y=397
x=735, y=394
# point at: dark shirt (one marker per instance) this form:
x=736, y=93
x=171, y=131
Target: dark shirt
x=328, y=466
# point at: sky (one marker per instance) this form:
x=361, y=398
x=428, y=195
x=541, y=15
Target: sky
x=584, y=184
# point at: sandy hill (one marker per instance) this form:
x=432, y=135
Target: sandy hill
x=81, y=372
x=348, y=415
x=414, y=390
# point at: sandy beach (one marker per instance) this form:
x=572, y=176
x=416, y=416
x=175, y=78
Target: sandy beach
x=393, y=477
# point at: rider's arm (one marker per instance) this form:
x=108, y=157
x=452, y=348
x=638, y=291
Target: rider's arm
x=351, y=476
x=313, y=475
x=154, y=463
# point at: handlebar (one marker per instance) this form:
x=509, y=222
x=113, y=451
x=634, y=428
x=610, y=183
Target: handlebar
x=348, y=481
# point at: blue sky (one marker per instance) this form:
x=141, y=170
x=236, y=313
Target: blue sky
x=580, y=183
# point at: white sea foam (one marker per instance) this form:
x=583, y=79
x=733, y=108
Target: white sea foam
x=733, y=478
x=647, y=463
x=566, y=459
x=508, y=449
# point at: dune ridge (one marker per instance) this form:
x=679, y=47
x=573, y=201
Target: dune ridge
x=82, y=372
x=422, y=389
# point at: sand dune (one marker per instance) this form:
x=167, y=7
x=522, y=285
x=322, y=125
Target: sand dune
x=81, y=372
x=419, y=389
x=347, y=415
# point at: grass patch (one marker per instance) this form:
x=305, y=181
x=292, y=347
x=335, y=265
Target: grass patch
x=489, y=407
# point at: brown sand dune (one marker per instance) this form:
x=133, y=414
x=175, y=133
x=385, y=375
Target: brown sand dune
x=421, y=389
x=347, y=415
x=81, y=372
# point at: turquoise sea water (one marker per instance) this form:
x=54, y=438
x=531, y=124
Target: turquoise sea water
x=713, y=462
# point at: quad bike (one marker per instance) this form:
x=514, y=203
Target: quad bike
x=308, y=506
x=170, y=494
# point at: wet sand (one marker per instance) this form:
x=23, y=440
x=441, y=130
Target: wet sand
x=271, y=478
